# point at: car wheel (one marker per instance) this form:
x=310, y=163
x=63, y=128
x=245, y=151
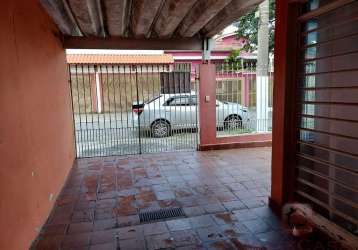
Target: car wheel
x=233, y=122
x=160, y=128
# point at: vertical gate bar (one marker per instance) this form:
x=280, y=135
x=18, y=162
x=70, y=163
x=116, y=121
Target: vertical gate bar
x=181, y=130
x=85, y=108
x=103, y=114
x=170, y=139
x=148, y=99
x=73, y=109
x=192, y=110
x=131, y=96
x=125, y=126
x=226, y=87
x=115, y=111
x=98, y=92
x=238, y=100
x=185, y=128
x=139, y=128
x=91, y=107
x=160, y=110
x=79, y=111
x=223, y=85
x=109, y=146
x=171, y=136
x=175, y=107
x=188, y=114
x=143, y=100
x=196, y=82
x=154, y=113
x=101, y=131
x=121, y=110
x=159, y=107
x=181, y=120
x=232, y=91
x=231, y=75
x=121, y=139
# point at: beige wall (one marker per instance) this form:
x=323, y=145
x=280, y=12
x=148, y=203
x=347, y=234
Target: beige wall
x=36, y=134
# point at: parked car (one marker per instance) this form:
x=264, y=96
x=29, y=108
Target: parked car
x=168, y=112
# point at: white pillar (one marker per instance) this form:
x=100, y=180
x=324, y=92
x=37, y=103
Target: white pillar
x=262, y=76
x=262, y=93
x=99, y=94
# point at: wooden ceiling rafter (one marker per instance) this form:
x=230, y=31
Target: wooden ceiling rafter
x=174, y=20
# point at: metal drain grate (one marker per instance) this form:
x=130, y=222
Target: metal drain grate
x=161, y=214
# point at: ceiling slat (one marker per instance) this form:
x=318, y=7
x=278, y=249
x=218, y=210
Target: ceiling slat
x=228, y=15
x=143, y=15
x=171, y=15
x=62, y=16
x=89, y=16
x=201, y=13
x=116, y=16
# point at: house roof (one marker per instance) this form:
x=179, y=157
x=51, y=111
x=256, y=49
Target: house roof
x=221, y=43
x=89, y=24
x=119, y=59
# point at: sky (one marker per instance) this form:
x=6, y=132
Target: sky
x=227, y=30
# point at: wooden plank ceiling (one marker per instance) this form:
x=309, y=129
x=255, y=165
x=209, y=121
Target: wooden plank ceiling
x=145, y=19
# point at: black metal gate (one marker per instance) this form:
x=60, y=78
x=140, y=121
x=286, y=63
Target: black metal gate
x=133, y=109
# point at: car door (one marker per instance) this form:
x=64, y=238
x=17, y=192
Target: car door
x=178, y=111
x=193, y=110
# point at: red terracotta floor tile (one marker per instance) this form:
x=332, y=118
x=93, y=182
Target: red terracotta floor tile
x=223, y=194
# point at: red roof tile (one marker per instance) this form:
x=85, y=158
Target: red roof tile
x=119, y=59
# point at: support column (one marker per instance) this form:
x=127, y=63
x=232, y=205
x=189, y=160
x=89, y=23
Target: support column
x=262, y=103
x=207, y=104
x=262, y=77
x=284, y=127
x=96, y=91
x=92, y=77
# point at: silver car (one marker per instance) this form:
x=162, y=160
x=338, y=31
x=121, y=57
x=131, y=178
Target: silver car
x=171, y=112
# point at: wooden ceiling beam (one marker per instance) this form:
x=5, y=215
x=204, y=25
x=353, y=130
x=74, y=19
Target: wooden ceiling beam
x=143, y=16
x=62, y=16
x=172, y=13
x=71, y=42
x=117, y=16
x=201, y=13
x=228, y=15
x=89, y=16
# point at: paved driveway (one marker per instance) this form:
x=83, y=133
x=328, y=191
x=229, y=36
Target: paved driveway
x=118, y=134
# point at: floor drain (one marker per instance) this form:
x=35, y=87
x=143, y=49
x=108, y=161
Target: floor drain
x=161, y=214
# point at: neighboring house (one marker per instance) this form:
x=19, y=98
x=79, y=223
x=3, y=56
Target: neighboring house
x=235, y=86
x=93, y=75
x=232, y=86
x=223, y=46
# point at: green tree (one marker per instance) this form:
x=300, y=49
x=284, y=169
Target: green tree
x=233, y=62
x=248, y=28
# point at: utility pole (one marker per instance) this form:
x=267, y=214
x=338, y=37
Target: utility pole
x=262, y=68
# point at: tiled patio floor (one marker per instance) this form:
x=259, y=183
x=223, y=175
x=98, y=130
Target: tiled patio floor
x=223, y=193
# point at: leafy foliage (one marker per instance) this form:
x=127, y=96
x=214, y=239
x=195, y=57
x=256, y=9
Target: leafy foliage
x=232, y=58
x=248, y=28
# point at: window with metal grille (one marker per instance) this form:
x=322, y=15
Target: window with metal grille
x=327, y=151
